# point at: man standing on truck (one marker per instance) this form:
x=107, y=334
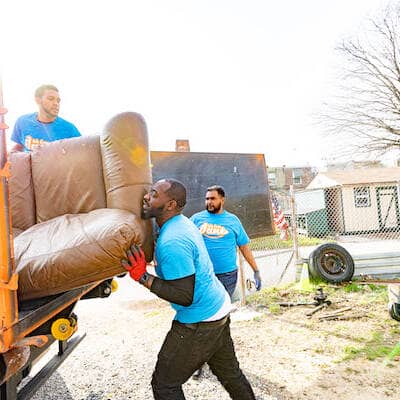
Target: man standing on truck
x=36, y=129
x=222, y=232
x=200, y=331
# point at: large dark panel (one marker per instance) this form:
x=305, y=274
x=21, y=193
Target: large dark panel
x=243, y=176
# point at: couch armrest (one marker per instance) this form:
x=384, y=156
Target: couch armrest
x=126, y=168
x=73, y=250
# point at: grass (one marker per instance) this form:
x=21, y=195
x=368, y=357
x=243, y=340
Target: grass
x=292, y=292
x=393, y=354
x=270, y=297
x=274, y=308
x=352, y=287
x=373, y=292
x=274, y=242
x=375, y=347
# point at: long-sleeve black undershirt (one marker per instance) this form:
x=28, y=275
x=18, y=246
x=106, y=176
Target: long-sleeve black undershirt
x=178, y=291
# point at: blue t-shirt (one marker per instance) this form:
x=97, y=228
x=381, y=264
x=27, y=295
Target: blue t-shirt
x=180, y=252
x=29, y=132
x=221, y=234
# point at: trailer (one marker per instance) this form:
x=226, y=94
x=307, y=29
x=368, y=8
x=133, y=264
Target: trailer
x=29, y=328
x=36, y=328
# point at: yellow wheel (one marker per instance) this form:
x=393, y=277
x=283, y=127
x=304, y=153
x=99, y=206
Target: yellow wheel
x=114, y=286
x=61, y=329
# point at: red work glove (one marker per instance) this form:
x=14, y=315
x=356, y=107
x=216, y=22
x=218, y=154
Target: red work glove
x=136, y=264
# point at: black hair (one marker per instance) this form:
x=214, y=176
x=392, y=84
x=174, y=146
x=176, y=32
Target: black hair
x=177, y=191
x=39, y=92
x=219, y=189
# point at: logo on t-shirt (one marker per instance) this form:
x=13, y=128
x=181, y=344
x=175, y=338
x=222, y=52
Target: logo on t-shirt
x=31, y=143
x=212, y=231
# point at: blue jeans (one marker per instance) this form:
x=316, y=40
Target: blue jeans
x=229, y=280
x=186, y=348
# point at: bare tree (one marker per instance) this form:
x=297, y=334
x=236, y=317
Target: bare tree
x=366, y=110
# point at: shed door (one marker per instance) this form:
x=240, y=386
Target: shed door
x=388, y=207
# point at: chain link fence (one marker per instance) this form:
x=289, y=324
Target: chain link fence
x=346, y=213
x=365, y=219
x=339, y=214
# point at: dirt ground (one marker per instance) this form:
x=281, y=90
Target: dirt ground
x=284, y=353
x=354, y=355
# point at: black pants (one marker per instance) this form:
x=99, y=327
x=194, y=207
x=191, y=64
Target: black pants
x=186, y=348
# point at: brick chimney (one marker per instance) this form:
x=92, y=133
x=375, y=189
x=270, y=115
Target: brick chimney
x=182, y=145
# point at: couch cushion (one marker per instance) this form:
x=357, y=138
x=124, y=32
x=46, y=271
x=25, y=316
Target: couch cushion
x=22, y=201
x=71, y=251
x=68, y=178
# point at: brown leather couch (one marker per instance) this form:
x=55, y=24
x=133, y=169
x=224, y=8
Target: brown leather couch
x=75, y=207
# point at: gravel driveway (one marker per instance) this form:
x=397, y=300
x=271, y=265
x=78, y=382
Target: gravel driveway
x=117, y=357
x=285, y=356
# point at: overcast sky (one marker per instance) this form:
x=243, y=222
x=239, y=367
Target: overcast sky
x=229, y=75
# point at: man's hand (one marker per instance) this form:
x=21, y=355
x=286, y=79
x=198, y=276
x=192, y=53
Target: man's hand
x=257, y=279
x=136, y=264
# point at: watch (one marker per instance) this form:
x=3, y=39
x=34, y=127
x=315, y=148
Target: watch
x=144, y=278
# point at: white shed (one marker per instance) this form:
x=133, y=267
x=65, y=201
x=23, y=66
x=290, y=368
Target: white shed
x=361, y=200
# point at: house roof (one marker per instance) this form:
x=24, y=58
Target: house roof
x=355, y=177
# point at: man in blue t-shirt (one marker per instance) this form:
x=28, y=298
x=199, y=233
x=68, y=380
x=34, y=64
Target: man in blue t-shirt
x=222, y=233
x=36, y=129
x=200, y=331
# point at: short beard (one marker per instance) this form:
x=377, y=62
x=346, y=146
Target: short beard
x=215, y=210
x=151, y=212
x=50, y=114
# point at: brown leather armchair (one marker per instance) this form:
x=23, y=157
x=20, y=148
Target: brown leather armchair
x=75, y=207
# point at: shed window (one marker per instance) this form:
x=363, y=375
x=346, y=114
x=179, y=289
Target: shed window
x=297, y=176
x=362, y=197
x=272, y=178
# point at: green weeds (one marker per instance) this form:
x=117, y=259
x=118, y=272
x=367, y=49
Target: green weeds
x=378, y=346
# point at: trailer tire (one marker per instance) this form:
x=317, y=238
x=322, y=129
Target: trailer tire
x=332, y=263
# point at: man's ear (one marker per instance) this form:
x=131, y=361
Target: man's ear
x=172, y=205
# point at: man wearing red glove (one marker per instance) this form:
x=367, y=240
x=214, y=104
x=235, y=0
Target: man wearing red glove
x=200, y=331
